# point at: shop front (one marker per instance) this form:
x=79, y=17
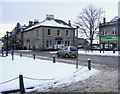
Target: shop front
x=109, y=43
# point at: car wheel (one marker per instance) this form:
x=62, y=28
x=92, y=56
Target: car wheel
x=66, y=55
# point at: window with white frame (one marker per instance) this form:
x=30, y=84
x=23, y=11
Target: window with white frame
x=67, y=43
x=49, y=32
x=58, y=33
x=48, y=43
x=67, y=33
x=104, y=32
x=114, y=31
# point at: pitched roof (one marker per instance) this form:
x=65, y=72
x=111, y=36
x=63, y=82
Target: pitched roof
x=114, y=19
x=51, y=23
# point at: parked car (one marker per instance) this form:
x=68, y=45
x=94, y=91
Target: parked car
x=67, y=51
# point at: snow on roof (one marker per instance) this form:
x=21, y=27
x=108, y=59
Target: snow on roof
x=115, y=19
x=52, y=23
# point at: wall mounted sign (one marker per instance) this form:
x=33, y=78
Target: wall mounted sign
x=109, y=38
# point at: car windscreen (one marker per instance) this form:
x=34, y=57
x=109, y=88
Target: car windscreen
x=72, y=48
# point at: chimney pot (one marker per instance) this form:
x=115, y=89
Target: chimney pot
x=104, y=20
x=49, y=16
x=36, y=21
x=69, y=22
x=30, y=23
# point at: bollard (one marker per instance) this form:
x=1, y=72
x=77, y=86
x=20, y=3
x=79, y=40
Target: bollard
x=89, y=64
x=12, y=55
x=21, y=84
x=53, y=58
x=34, y=56
x=20, y=54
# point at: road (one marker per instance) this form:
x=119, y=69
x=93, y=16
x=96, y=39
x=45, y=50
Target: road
x=108, y=60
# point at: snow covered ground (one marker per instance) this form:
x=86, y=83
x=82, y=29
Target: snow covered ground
x=40, y=74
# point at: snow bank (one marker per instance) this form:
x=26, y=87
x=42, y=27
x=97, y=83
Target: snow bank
x=40, y=74
x=106, y=53
x=89, y=52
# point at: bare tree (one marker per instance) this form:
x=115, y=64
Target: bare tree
x=89, y=20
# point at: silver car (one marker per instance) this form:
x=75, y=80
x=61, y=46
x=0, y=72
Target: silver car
x=67, y=51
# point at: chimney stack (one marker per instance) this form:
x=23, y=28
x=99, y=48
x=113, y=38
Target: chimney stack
x=36, y=21
x=104, y=20
x=30, y=23
x=49, y=16
x=69, y=22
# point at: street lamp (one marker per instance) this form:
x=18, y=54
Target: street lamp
x=7, y=45
x=76, y=46
x=12, y=50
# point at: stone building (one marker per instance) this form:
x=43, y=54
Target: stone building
x=48, y=34
x=109, y=34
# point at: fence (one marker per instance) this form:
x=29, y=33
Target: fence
x=21, y=81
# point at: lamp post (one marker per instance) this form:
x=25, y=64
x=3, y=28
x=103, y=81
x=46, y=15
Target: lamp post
x=7, y=45
x=13, y=51
x=76, y=46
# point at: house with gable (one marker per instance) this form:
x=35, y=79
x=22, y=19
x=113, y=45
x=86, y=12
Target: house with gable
x=48, y=34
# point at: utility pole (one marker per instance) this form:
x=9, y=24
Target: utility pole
x=7, y=45
x=77, y=46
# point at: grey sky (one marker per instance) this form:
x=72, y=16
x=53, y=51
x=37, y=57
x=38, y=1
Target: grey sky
x=13, y=12
x=23, y=12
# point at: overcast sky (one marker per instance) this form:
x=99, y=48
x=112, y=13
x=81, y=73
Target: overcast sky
x=22, y=12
